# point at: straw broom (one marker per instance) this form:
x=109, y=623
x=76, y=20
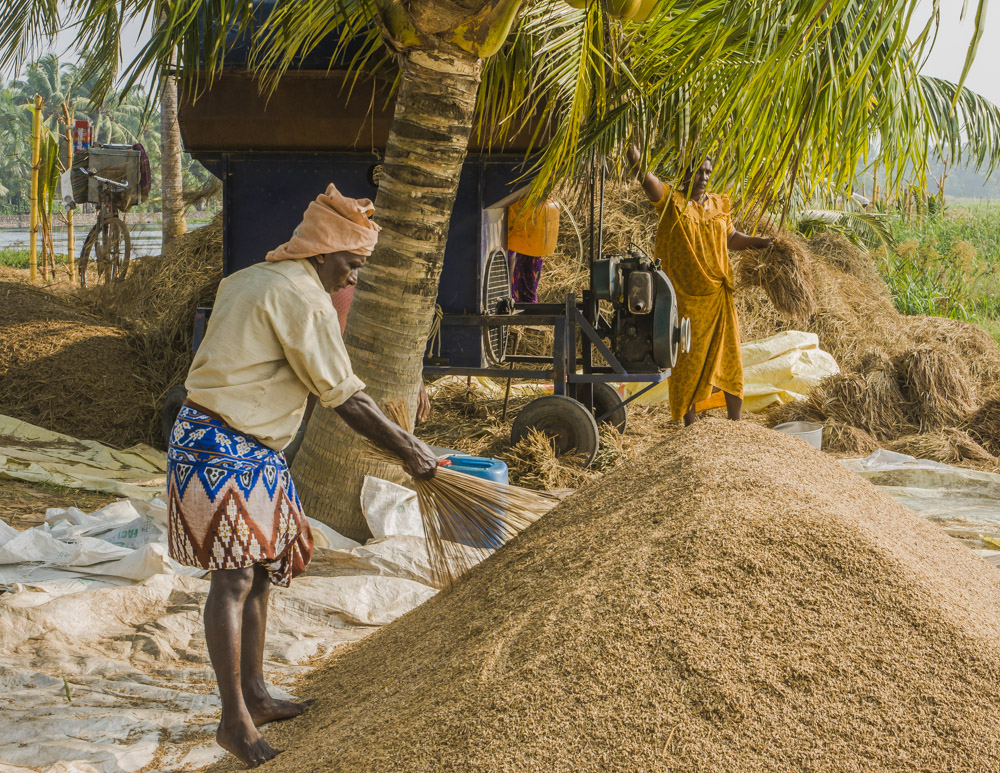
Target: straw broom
x=464, y=517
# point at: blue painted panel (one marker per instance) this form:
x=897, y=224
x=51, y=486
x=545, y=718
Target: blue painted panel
x=266, y=194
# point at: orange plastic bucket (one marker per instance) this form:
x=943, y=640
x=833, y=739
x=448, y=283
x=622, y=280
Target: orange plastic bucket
x=533, y=229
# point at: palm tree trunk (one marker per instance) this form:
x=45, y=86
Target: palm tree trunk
x=393, y=306
x=171, y=180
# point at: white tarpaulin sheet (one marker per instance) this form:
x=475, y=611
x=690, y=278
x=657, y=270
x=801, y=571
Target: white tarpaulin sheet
x=103, y=664
x=965, y=503
x=37, y=455
x=779, y=369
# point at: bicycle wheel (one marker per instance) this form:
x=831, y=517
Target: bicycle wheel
x=109, y=246
x=118, y=249
x=89, y=249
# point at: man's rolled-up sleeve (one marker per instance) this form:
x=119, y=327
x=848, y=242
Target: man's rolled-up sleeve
x=315, y=351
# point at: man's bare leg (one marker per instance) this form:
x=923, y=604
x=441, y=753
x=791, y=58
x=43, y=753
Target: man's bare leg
x=734, y=406
x=690, y=417
x=262, y=707
x=223, y=623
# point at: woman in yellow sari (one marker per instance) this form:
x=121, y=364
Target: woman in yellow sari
x=693, y=237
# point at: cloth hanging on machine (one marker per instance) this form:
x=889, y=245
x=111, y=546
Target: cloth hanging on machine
x=525, y=278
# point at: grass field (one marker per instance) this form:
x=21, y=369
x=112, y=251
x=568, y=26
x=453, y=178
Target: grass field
x=20, y=258
x=948, y=265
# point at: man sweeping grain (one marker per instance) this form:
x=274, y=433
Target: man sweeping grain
x=693, y=237
x=272, y=340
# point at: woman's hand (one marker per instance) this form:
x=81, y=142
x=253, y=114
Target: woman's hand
x=742, y=241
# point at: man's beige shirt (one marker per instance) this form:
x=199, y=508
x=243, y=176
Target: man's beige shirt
x=273, y=338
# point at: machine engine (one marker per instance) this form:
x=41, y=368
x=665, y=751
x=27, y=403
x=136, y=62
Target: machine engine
x=645, y=331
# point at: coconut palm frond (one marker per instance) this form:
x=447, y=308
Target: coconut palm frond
x=962, y=124
x=26, y=26
x=866, y=230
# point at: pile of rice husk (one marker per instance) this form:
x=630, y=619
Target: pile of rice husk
x=984, y=424
x=731, y=601
x=102, y=375
x=782, y=272
x=69, y=371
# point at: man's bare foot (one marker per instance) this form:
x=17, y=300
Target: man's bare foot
x=274, y=710
x=245, y=743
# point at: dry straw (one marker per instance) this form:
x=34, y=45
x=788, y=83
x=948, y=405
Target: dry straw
x=984, y=424
x=464, y=517
x=948, y=445
x=782, y=270
x=845, y=440
x=937, y=385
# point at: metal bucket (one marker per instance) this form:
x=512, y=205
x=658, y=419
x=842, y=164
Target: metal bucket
x=804, y=430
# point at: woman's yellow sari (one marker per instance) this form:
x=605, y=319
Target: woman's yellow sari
x=691, y=247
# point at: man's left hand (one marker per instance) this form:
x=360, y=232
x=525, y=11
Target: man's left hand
x=423, y=406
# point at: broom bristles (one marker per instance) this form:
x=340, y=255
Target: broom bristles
x=464, y=517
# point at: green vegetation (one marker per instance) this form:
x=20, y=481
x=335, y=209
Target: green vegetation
x=66, y=93
x=18, y=257
x=948, y=265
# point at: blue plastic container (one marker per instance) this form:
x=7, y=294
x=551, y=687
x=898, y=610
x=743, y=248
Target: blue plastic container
x=489, y=469
x=480, y=467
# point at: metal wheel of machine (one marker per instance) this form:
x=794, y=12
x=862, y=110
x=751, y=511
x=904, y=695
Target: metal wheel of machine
x=497, y=299
x=607, y=400
x=568, y=423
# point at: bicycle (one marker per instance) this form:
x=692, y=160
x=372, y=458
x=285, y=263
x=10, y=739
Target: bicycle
x=109, y=239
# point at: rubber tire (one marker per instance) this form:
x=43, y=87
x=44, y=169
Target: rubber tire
x=565, y=420
x=606, y=398
x=116, y=271
x=172, y=403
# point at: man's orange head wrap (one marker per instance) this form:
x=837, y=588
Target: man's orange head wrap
x=332, y=223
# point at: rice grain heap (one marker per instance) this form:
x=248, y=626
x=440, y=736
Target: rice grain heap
x=731, y=601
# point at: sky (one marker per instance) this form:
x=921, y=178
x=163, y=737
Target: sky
x=945, y=60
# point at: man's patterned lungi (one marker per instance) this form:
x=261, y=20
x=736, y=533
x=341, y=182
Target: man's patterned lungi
x=231, y=501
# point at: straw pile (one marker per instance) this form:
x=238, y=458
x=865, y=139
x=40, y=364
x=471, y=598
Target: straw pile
x=937, y=385
x=845, y=440
x=156, y=303
x=782, y=271
x=730, y=602
x=68, y=371
x=949, y=445
x=984, y=424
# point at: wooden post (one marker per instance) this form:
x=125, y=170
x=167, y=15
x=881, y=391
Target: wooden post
x=36, y=134
x=70, y=241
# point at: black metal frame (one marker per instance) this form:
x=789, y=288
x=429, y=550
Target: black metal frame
x=565, y=320
x=563, y=373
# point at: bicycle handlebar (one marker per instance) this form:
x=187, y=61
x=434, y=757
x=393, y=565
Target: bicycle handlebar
x=120, y=185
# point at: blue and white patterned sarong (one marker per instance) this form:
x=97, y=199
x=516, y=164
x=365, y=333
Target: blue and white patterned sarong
x=231, y=501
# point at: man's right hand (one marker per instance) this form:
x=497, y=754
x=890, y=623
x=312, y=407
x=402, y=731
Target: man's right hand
x=361, y=414
x=419, y=460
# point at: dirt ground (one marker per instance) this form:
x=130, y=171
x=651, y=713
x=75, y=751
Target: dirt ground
x=23, y=505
